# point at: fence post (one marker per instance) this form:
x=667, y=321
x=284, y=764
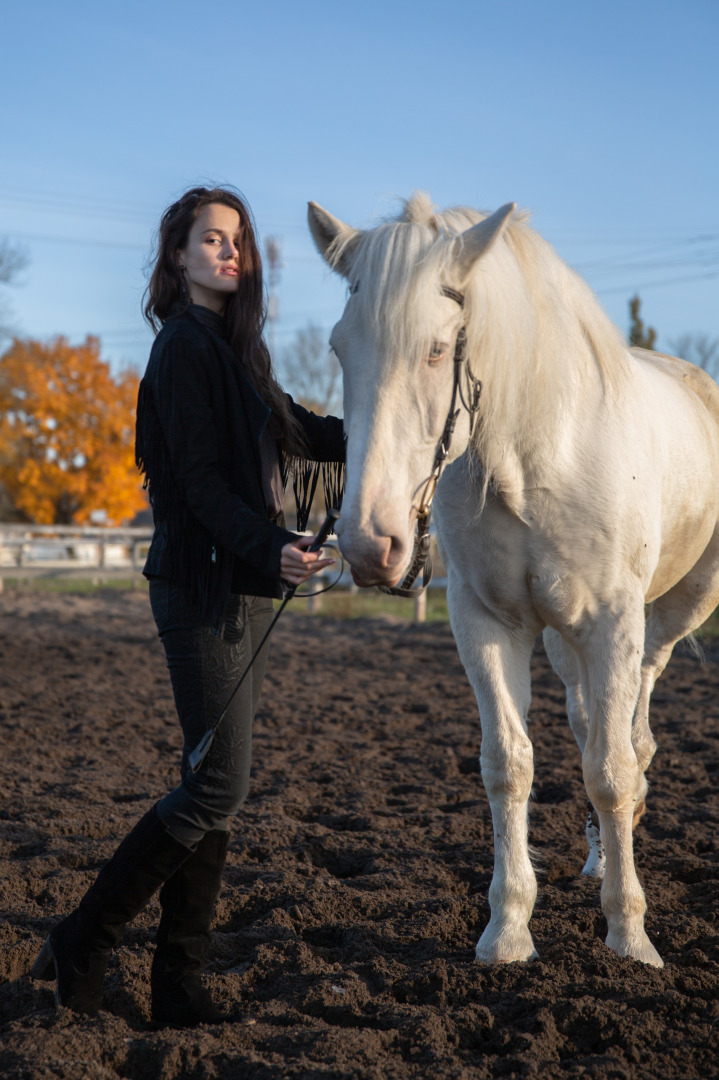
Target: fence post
x=420, y=607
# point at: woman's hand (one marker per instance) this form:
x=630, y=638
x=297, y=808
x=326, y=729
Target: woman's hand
x=297, y=564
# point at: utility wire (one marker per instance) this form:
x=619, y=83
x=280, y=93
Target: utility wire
x=126, y=210
x=86, y=241
x=93, y=206
x=672, y=252
x=81, y=240
x=607, y=266
x=655, y=284
x=142, y=211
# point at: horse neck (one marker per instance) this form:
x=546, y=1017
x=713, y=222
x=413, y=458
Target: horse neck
x=547, y=356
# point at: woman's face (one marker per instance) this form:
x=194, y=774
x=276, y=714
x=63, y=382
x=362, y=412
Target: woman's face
x=210, y=257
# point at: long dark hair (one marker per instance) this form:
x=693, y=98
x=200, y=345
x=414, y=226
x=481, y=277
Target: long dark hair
x=245, y=311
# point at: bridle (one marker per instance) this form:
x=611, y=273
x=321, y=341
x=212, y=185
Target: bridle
x=469, y=391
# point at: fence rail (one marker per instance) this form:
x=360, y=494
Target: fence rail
x=68, y=551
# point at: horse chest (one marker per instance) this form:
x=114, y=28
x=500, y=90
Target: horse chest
x=490, y=556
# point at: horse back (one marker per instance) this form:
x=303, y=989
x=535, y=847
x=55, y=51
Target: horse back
x=696, y=379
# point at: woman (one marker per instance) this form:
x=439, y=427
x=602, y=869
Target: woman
x=212, y=429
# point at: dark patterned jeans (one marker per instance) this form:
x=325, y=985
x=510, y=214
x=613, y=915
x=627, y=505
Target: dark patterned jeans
x=205, y=666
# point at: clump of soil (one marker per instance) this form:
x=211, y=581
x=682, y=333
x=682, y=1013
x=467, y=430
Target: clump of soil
x=358, y=872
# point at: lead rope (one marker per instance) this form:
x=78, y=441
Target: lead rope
x=421, y=558
x=197, y=756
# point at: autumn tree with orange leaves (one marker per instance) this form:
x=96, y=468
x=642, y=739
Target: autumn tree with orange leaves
x=67, y=429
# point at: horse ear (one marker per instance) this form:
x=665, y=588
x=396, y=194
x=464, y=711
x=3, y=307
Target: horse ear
x=329, y=232
x=475, y=242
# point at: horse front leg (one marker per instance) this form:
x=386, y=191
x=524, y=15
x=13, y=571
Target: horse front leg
x=613, y=776
x=497, y=665
x=564, y=661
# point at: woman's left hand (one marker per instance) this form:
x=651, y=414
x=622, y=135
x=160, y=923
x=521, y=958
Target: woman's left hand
x=297, y=564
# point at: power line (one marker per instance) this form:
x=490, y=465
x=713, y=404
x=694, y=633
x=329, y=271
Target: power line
x=656, y=284
x=81, y=240
x=79, y=206
x=93, y=206
x=126, y=210
x=620, y=236
x=84, y=241
x=672, y=253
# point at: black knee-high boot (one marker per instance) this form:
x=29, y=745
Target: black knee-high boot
x=188, y=901
x=78, y=949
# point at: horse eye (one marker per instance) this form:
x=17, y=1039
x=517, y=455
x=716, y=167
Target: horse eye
x=436, y=352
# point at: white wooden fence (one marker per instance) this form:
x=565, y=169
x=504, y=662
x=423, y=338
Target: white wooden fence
x=69, y=551
x=28, y=551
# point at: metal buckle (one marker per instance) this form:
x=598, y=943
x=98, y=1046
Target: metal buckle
x=427, y=495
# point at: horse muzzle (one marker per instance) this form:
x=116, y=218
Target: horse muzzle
x=375, y=560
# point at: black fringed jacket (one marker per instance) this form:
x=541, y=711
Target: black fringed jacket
x=199, y=425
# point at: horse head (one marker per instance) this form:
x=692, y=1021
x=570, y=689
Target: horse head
x=395, y=342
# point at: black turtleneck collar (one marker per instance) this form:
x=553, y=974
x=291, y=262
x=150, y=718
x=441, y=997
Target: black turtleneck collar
x=210, y=319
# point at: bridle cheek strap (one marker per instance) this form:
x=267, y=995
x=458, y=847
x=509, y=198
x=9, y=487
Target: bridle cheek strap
x=421, y=558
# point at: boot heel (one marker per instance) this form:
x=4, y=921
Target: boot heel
x=44, y=966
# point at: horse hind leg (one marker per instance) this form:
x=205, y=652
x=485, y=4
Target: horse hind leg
x=564, y=661
x=656, y=657
x=566, y=664
x=673, y=616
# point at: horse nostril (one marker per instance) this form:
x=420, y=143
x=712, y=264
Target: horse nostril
x=373, y=550
x=395, y=551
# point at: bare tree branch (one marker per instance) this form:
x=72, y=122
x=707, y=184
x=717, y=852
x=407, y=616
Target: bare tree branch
x=12, y=261
x=311, y=371
x=698, y=349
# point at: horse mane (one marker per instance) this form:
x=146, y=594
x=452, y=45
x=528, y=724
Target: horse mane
x=536, y=335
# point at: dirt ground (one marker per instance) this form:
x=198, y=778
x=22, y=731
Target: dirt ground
x=357, y=877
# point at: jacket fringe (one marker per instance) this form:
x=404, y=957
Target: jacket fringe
x=305, y=477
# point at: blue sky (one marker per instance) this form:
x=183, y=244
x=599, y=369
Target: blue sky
x=600, y=117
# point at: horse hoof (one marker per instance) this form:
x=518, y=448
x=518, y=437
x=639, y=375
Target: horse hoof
x=595, y=865
x=44, y=966
x=637, y=948
x=492, y=960
x=507, y=947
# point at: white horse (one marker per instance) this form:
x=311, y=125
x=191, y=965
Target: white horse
x=588, y=488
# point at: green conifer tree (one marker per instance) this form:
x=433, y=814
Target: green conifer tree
x=639, y=337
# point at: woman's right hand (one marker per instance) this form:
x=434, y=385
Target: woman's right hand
x=297, y=564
